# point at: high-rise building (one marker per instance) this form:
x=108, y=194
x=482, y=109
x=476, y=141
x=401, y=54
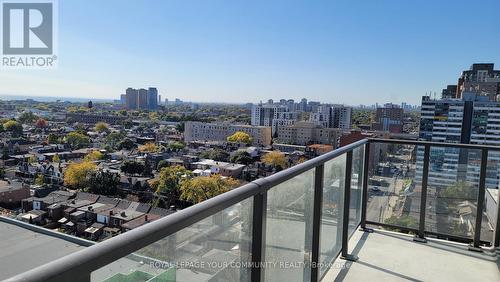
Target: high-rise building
x=450, y=92
x=328, y=116
x=474, y=119
x=340, y=117
x=266, y=114
x=152, y=100
x=131, y=98
x=481, y=79
x=142, y=100
x=389, y=118
x=123, y=99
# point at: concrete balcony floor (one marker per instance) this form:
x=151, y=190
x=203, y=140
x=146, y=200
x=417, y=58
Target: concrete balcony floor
x=389, y=256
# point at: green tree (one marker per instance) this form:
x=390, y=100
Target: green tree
x=460, y=191
x=53, y=139
x=403, y=221
x=114, y=138
x=132, y=168
x=215, y=154
x=127, y=144
x=103, y=182
x=161, y=164
x=77, y=140
x=241, y=157
x=27, y=118
x=202, y=188
x=176, y=146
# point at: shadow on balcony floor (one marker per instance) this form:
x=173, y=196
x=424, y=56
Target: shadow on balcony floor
x=389, y=256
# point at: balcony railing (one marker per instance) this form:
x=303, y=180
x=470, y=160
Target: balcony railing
x=295, y=223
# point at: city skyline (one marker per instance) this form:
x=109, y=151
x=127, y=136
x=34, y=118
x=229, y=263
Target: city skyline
x=237, y=53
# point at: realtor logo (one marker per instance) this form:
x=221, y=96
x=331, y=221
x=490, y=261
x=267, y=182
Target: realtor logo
x=28, y=34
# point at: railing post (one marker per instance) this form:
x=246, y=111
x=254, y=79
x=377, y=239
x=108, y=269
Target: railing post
x=364, y=197
x=496, y=234
x=345, y=217
x=420, y=237
x=480, y=202
x=316, y=229
x=258, y=235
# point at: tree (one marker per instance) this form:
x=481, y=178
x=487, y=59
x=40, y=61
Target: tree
x=148, y=148
x=459, y=191
x=132, y=167
x=32, y=159
x=27, y=117
x=101, y=127
x=76, y=174
x=126, y=144
x=275, y=159
x=215, y=154
x=161, y=164
x=176, y=146
x=241, y=157
x=114, y=139
x=14, y=127
x=240, y=137
x=103, y=182
x=2, y=173
x=77, y=140
x=56, y=158
x=403, y=221
x=53, y=139
x=202, y=188
x=41, y=123
x=39, y=180
x=169, y=183
x=94, y=156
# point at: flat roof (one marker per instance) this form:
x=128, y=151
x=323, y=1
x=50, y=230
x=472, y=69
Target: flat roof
x=23, y=249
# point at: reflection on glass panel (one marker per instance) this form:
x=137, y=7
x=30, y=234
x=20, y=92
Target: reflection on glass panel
x=331, y=211
x=491, y=196
x=289, y=229
x=356, y=188
x=213, y=249
x=452, y=191
x=394, y=184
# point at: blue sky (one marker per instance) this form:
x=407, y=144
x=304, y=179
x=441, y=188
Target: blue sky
x=244, y=51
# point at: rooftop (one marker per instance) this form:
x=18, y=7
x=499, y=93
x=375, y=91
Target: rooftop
x=23, y=249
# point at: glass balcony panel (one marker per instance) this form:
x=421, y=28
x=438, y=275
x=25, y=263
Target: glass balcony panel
x=217, y=248
x=289, y=229
x=452, y=191
x=491, y=196
x=394, y=185
x=356, y=188
x=331, y=211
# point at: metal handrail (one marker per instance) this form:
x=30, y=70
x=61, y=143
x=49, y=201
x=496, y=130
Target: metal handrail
x=82, y=263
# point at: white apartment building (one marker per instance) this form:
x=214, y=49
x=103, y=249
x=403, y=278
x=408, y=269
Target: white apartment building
x=200, y=131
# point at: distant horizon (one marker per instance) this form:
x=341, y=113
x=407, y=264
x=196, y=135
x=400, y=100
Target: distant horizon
x=42, y=98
